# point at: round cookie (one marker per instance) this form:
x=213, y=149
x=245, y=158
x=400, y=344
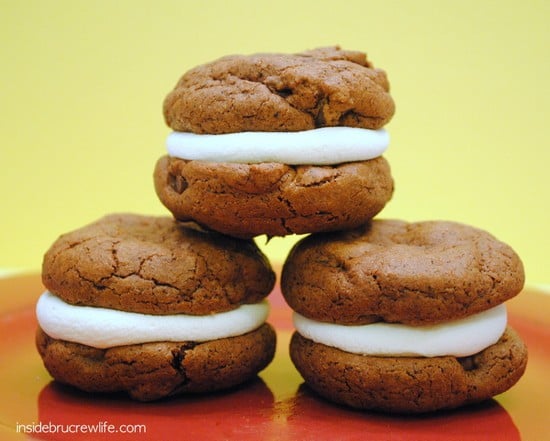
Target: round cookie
x=393, y=271
x=143, y=305
x=155, y=370
x=153, y=265
x=267, y=191
x=409, y=384
x=245, y=200
x=283, y=92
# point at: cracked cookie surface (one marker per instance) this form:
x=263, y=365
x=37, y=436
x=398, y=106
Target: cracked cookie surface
x=246, y=200
x=151, y=371
x=399, y=272
x=153, y=265
x=409, y=384
x=281, y=92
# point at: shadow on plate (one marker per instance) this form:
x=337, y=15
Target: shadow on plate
x=249, y=412
x=309, y=417
x=238, y=413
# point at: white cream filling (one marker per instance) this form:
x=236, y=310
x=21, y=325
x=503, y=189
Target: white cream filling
x=324, y=146
x=459, y=338
x=104, y=328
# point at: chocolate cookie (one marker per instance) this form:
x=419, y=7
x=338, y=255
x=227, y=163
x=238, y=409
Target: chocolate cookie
x=280, y=92
x=245, y=200
x=394, y=271
x=153, y=265
x=143, y=305
x=409, y=384
x=154, y=370
x=265, y=186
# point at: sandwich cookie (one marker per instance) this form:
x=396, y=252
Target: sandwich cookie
x=278, y=144
x=404, y=317
x=142, y=305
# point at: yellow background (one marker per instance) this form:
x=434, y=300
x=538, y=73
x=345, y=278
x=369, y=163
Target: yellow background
x=82, y=84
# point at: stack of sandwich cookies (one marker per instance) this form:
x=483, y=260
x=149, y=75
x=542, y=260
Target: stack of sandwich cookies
x=391, y=316
x=278, y=144
x=141, y=305
x=404, y=317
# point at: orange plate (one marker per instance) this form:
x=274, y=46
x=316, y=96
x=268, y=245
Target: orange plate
x=275, y=406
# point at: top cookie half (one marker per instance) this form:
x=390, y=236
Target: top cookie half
x=419, y=273
x=152, y=265
x=323, y=87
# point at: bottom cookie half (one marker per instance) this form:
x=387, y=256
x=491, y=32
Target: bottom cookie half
x=409, y=384
x=247, y=200
x=154, y=370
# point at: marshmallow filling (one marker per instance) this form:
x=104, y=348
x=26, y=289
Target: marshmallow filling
x=458, y=338
x=104, y=328
x=324, y=146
